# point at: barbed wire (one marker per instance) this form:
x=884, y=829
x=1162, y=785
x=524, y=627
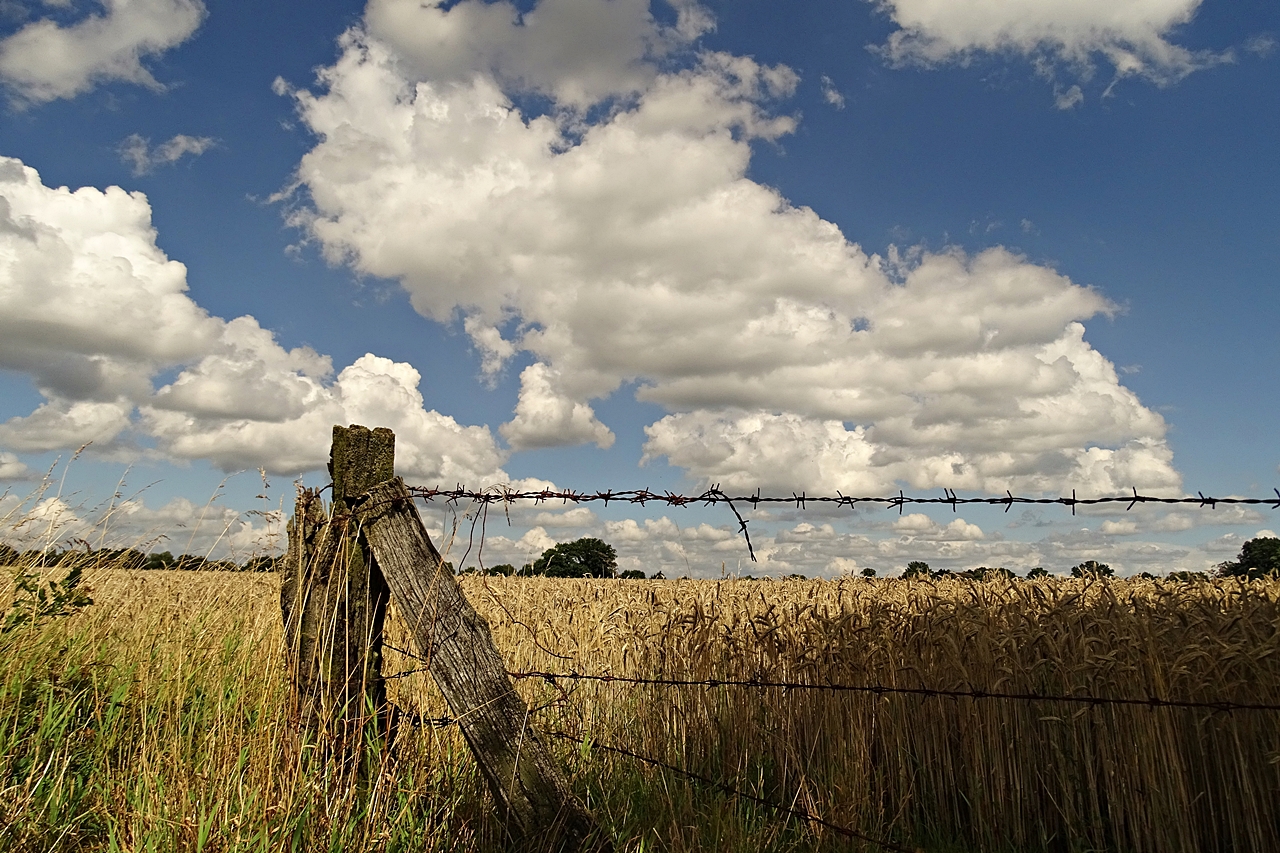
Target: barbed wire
x=1218, y=705
x=715, y=495
x=794, y=811
x=553, y=678
x=1225, y=706
x=417, y=720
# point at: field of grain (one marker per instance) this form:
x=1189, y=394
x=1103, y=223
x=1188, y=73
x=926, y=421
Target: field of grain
x=157, y=718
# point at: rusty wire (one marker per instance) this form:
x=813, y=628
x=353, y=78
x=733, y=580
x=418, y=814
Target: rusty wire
x=1225, y=706
x=1217, y=705
x=715, y=495
x=794, y=811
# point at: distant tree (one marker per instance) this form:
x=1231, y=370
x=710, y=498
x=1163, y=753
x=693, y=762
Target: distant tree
x=127, y=558
x=917, y=569
x=8, y=555
x=503, y=569
x=1037, y=573
x=657, y=576
x=632, y=575
x=161, y=560
x=1146, y=576
x=982, y=573
x=797, y=577
x=1259, y=558
x=582, y=558
x=1188, y=577
x=1092, y=569
x=191, y=563
x=868, y=572
x=261, y=563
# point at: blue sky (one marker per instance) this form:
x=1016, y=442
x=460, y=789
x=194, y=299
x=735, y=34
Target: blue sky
x=605, y=243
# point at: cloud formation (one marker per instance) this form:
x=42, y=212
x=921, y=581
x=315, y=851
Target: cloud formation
x=628, y=245
x=546, y=417
x=45, y=61
x=12, y=468
x=578, y=52
x=92, y=310
x=1061, y=37
x=830, y=93
x=180, y=526
x=138, y=152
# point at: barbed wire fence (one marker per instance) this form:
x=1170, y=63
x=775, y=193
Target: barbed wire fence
x=574, y=676
x=879, y=690
x=505, y=498
x=714, y=495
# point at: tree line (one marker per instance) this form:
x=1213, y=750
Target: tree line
x=589, y=557
x=129, y=558
x=593, y=558
x=1259, y=558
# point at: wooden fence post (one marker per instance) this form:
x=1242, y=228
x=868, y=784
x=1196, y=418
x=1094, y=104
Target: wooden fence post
x=334, y=601
x=339, y=574
x=525, y=779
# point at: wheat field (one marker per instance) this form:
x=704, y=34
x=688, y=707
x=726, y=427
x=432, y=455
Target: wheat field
x=157, y=718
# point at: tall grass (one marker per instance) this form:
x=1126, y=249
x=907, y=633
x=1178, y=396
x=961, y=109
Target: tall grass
x=157, y=718
x=980, y=773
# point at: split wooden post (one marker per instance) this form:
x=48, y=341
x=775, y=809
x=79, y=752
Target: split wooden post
x=340, y=572
x=334, y=601
x=455, y=640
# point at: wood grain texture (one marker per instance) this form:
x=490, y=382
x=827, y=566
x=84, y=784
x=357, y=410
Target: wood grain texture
x=526, y=781
x=333, y=600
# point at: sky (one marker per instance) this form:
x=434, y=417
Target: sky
x=609, y=244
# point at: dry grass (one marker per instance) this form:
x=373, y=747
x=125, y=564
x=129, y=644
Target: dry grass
x=990, y=774
x=157, y=719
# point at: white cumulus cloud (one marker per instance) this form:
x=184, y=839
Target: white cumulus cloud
x=65, y=424
x=92, y=310
x=12, y=468
x=246, y=430
x=629, y=245
x=546, y=417
x=45, y=61
x=1134, y=37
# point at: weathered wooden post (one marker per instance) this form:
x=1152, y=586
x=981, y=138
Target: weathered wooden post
x=334, y=601
x=526, y=781
x=339, y=573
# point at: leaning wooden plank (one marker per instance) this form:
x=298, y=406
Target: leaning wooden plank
x=526, y=782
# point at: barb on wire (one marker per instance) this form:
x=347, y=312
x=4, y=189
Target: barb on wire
x=1221, y=706
x=715, y=495
x=794, y=811
x=415, y=720
x=742, y=522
